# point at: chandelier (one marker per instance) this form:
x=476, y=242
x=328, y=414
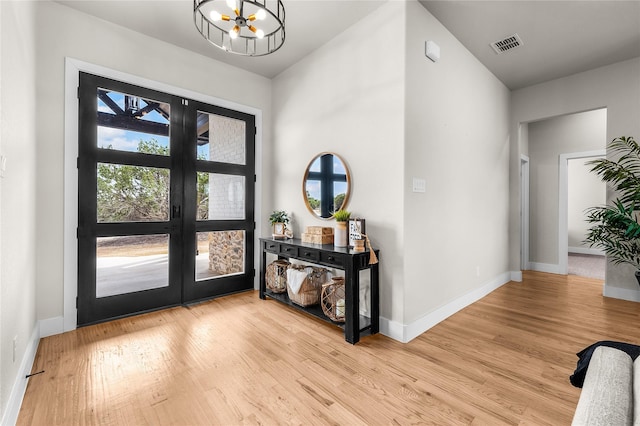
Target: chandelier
x=243, y=27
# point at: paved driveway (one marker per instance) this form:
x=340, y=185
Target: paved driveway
x=120, y=275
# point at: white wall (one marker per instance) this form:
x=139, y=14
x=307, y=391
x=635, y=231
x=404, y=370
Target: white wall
x=457, y=139
x=585, y=190
x=548, y=139
x=393, y=115
x=2, y=403
x=347, y=98
x=616, y=87
x=18, y=203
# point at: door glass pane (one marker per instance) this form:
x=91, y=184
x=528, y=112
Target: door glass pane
x=132, y=193
x=131, y=123
x=220, y=197
x=221, y=139
x=219, y=254
x=131, y=263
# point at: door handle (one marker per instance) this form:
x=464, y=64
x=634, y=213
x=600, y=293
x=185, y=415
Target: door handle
x=175, y=212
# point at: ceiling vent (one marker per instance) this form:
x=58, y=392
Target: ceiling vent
x=506, y=44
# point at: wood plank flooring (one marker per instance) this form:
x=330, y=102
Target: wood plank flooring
x=505, y=359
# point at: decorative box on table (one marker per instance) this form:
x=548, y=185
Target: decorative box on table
x=318, y=235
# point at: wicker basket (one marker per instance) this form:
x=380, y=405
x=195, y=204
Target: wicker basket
x=309, y=292
x=276, y=276
x=333, y=299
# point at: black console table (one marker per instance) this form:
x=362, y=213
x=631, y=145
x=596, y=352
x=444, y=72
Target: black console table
x=350, y=261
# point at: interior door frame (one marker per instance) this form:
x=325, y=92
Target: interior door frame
x=525, y=213
x=73, y=67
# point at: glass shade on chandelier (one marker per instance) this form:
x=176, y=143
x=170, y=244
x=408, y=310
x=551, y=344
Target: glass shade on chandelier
x=243, y=27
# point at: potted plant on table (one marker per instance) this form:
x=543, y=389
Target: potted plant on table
x=340, y=236
x=615, y=227
x=279, y=220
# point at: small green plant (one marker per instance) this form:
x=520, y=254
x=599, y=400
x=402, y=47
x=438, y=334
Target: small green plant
x=279, y=216
x=341, y=216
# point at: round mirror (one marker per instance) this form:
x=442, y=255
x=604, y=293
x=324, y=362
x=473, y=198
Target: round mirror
x=326, y=185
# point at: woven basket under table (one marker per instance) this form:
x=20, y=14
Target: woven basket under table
x=276, y=276
x=309, y=293
x=332, y=299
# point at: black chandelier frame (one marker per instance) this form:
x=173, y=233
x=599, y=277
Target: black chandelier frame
x=247, y=43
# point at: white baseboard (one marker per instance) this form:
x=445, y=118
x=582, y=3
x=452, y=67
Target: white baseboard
x=405, y=333
x=19, y=387
x=621, y=293
x=586, y=250
x=43, y=328
x=392, y=329
x=516, y=276
x=51, y=326
x=545, y=267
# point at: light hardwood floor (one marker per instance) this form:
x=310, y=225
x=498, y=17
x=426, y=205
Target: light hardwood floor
x=505, y=359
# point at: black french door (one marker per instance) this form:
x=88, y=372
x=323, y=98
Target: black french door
x=166, y=191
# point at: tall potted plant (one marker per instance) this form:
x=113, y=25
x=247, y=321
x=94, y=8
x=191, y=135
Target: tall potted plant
x=615, y=228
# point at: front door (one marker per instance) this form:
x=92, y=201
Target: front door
x=219, y=193
x=165, y=214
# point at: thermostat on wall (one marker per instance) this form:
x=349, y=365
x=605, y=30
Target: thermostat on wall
x=432, y=50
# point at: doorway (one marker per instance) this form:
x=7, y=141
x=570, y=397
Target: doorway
x=550, y=143
x=166, y=195
x=579, y=190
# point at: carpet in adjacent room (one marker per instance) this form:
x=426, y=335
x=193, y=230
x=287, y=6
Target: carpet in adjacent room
x=586, y=265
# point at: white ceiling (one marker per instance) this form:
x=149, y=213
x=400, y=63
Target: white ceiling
x=559, y=37
x=308, y=23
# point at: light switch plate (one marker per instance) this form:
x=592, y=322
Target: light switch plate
x=432, y=50
x=419, y=185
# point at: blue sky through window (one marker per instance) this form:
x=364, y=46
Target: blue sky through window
x=127, y=140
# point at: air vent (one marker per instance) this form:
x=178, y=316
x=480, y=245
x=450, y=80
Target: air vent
x=508, y=43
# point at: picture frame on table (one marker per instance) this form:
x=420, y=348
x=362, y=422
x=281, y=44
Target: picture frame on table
x=355, y=229
x=279, y=229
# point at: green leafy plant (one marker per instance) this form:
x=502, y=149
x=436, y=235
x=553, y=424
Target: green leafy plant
x=133, y=193
x=615, y=228
x=341, y=216
x=279, y=216
x=314, y=203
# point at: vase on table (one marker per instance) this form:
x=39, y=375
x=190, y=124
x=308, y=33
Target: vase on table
x=340, y=237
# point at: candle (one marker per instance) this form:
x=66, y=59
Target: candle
x=340, y=308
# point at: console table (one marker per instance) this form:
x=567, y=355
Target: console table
x=350, y=261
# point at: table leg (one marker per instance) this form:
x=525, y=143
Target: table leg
x=352, y=304
x=375, y=299
x=263, y=283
